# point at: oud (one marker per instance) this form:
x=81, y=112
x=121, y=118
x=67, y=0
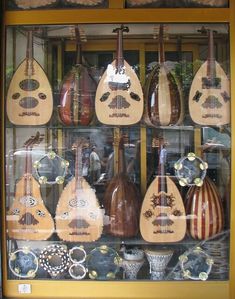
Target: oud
x=29, y=97
x=79, y=217
x=119, y=96
x=209, y=98
x=162, y=217
x=122, y=201
x=28, y=218
x=162, y=93
x=77, y=94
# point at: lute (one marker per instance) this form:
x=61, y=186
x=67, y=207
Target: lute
x=122, y=201
x=28, y=218
x=29, y=97
x=79, y=217
x=119, y=96
x=162, y=93
x=162, y=217
x=209, y=98
x=77, y=94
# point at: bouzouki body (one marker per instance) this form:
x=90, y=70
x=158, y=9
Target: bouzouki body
x=204, y=210
x=162, y=216
x=28, y=218
x=122, y=202
x=29, y=97
x=162, y=94
x=79, y=217
x=77, y=94
x=209, y=98
x=119, y=95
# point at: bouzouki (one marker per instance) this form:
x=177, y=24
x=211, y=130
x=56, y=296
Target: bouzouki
x=204, y=210
x=209, y=98
x=119, y=96
x=162, y=93
x=28, y=218
x=29, y=97
x=122, y=201
x=79, y=217
x=162, y=217
x=77, y=94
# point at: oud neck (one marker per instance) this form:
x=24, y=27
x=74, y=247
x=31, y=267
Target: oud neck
x=78, y=164
x=78, y=47
x=119, y=48
x=29, y=49
x=28, y=161
x=211, y=70
x=121, y=157
x=161, y=49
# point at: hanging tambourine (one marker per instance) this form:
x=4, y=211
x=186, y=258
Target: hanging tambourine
x=190, y=170
x=51, y=169
x=23, y=263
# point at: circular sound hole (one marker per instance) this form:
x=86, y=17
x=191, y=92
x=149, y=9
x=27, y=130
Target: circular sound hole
x=29, y=85
x=28, y=102
x=16, y=96
x=42, y=96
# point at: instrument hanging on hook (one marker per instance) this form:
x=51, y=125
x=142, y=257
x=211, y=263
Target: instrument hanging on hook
x=77, y=93
x=28, y=218
x=209, y=98
x=29, y=97
x=162, y=93
x=119, y=96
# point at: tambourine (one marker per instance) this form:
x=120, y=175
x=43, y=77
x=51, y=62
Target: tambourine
x=77, y=255
x=77, y=271
x=23, y=263
x=54, y=259
x=190, y=170
x=51, y=169
x=103, y=263
x=196, y=264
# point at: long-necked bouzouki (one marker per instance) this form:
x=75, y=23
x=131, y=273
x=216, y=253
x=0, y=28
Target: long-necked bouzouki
x=28, y=218
x=119, y=96
x=79, y=217
x=122, y=201
x=162, y=217
x=204, y=210
x=29, y=97
x=77, y=94
x=209, y=98
x=162, y=93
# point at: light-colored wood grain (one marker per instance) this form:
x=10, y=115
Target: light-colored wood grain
x=197, y=111
x=44, y=107
x=42, y=229
x=81, y=206
x=133, y=113
x=178, y=227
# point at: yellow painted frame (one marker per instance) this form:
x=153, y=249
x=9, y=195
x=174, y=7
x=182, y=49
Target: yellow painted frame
x=123, y=289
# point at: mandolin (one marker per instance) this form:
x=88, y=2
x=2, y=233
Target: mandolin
x=79, y=217
x=29, y=97
x=209, y=98
x=28, y=218
x=204, y=210
x=162, y=217
x=162, y=93
x=77, y=94
x=119, y=96
x=122, y=201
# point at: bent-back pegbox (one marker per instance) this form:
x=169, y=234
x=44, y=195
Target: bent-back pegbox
x=29, y=97
x=209, y=98
x=78, y=214
x=28, y=218
x=119, y=96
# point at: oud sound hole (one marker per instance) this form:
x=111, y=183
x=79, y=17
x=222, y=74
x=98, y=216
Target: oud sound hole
x=16, y=96
x=28, y=102
x=29, y=84
x=42, y=96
